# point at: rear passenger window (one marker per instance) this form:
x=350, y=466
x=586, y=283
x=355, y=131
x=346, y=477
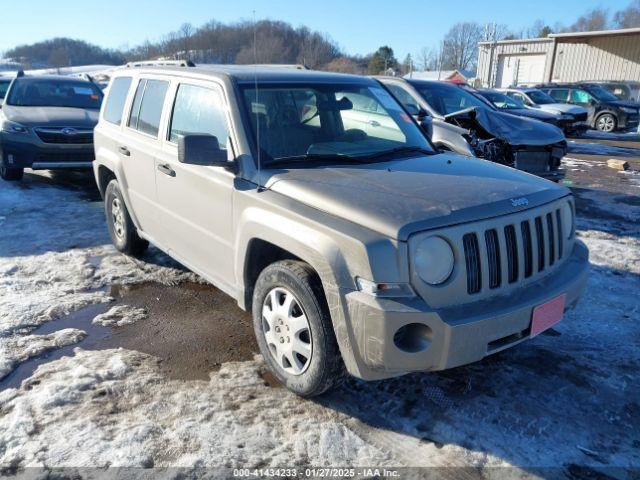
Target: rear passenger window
x=147, y=106
x=116, y=99
x=198, y=110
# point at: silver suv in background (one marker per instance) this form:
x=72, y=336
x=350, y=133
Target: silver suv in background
x=46, y=122
x=355, y=244
x=465, y=124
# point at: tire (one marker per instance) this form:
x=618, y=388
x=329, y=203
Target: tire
x=606, y=123
x=122, y=231
x=281, y=338
x=10, y=174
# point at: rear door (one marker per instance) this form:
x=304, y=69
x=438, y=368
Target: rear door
x=138, y=149
x=196, y=201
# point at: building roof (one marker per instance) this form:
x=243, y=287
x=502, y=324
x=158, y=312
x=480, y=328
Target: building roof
x=567, y=35
x=598, y=33
x=438, y=74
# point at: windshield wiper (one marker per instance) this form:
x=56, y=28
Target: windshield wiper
x=405, y=149
x=312, y=157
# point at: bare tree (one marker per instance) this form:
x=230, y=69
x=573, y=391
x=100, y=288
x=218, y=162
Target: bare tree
x=344, y=65
x=629, y=17
x=59, y=58
x=186, y=34
x=428, y=59
x=461, y=46
x=596, y=19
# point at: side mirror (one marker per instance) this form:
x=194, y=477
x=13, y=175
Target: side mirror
x=202, y=150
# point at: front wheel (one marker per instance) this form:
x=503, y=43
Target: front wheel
x=10, y=174
x=293, y=329
x=122, y=231
x=606, y=122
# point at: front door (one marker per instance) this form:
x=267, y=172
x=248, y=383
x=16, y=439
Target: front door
x=196, y=200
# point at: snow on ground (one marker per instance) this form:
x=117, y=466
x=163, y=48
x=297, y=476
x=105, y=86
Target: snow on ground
x=20, y=348
x=567, y=399
x=120, y=315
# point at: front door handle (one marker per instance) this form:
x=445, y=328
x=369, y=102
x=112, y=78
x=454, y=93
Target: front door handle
x=125, y=151
x=166, y=169
x=374, y=123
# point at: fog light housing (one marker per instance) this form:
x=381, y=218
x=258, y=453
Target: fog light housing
x=413, y=337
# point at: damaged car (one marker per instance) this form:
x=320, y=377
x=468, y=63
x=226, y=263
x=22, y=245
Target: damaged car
x=465, y=124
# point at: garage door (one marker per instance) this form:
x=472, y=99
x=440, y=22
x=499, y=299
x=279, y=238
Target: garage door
x=520, y=70
x=530, y=69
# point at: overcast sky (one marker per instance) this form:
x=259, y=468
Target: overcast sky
x=358, y=26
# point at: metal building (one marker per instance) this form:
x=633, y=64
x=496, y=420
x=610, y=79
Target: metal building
x=561, y=57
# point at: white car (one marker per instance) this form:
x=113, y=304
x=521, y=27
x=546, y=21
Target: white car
x=537, y=99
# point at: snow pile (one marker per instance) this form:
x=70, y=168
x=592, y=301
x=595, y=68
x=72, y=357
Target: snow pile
x=122, y=412
x=19, y=348
x=120, y=315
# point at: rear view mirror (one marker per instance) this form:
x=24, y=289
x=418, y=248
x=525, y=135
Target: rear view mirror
x=335, y=106
x=415, y=111
x=202, y=150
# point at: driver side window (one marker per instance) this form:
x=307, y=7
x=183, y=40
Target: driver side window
x=198, y=110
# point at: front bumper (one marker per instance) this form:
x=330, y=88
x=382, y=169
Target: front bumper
x=30, y=152
x=455, y=336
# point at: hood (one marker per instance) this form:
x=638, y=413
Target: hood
x=625, y=103
x=404, y=196
x=532, y=113
x=511, y=128
x=51, y=116
x=563, y=108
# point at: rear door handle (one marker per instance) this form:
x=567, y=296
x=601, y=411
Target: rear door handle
x=125, y=151
x=166, y=169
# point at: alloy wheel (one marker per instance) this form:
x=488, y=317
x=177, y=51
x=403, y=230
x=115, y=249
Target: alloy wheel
x=606, y=123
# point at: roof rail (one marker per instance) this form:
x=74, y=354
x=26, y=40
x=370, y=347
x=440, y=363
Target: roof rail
x=161, y=63
x=296, y=66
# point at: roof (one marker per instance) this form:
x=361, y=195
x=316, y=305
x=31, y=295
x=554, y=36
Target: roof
x=51, y=77
x=438, y=74
x=250, y=73
x=598, y=33
x=567, y=35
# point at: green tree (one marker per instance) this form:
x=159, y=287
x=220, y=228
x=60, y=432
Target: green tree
x=382, y=60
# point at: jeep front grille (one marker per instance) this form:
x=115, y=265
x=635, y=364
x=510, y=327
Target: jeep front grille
x=506, y=248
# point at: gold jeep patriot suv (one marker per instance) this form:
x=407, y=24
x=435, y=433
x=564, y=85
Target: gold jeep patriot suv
x=316, y=201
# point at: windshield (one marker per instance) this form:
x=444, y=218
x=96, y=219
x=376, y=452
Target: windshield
x=445, y=98
x=602, y=94
x=502, y=101
x=33, y=92
x=300, y=122
x=540, y=98
x=4, y=85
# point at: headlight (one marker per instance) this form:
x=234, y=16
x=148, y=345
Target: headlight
x=12, y=127
x=567, y=220
x=434, y=260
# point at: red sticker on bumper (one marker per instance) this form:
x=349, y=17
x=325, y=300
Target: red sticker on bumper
x=547, y=314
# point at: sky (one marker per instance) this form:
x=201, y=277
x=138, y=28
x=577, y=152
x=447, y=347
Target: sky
x=358, y=26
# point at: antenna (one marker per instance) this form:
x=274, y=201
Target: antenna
x=255, y=78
